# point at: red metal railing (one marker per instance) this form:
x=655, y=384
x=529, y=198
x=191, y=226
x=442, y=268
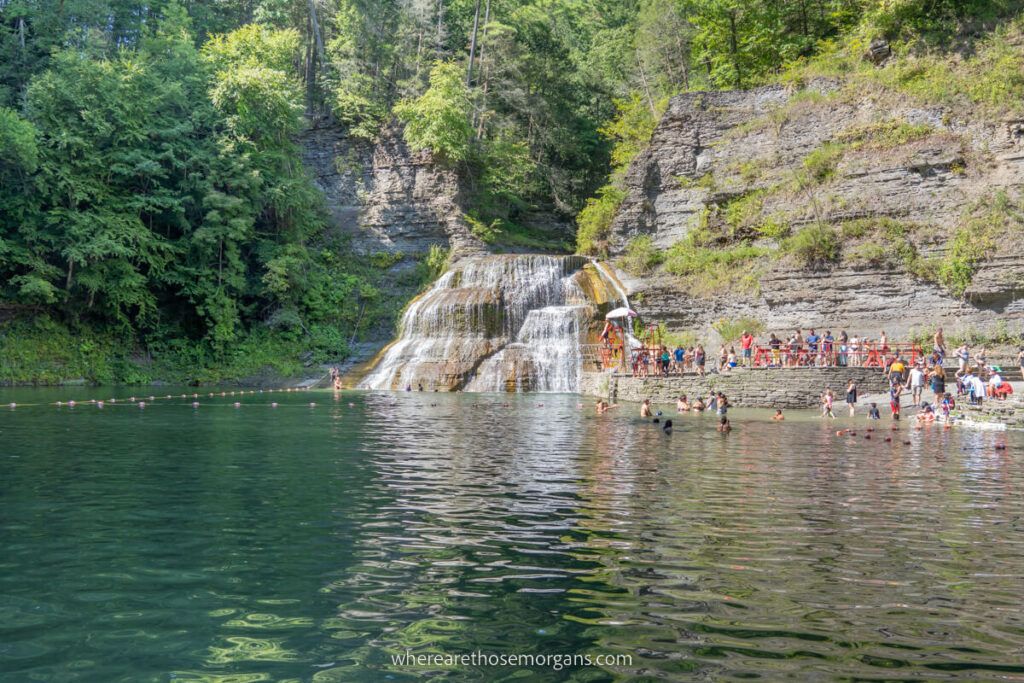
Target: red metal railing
x=870, y=355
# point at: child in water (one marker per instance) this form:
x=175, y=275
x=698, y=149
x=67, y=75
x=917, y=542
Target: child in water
x=895, y=399
x=827, y=400
x=645, y=408
x=873, y=413
x=723, y=425
x=778, y=416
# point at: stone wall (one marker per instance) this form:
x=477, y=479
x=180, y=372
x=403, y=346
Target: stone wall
x=790, y=388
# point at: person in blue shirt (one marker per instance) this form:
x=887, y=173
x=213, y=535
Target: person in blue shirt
x=828, y=347
x=812, y=346
x=679, y=354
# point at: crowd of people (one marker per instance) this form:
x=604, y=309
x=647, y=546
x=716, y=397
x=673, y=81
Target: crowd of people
x=716, y=402
x=976, y=379
x=798, y=349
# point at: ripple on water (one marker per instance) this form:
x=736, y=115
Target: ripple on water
x=314, y=545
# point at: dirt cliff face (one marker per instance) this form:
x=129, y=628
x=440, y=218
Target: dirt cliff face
x=894, y=181
x=384, y=196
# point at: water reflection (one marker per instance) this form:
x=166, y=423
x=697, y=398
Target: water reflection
x=226, y=545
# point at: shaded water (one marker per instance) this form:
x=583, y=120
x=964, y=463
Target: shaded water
x=310, y=544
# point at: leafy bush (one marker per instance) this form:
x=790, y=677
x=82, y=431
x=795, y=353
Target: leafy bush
x=992, y=220
x=773, y=227
x=741, y=211
x=641, y=256
x=707, y=271
x=594, y=222
x=821, y=164
x=870, y=253
x=731, y=329
x=887, y=133
x=437, y=262
x=813, y=245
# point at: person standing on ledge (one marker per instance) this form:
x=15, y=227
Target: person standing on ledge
x=747, y=346
x=939, y=344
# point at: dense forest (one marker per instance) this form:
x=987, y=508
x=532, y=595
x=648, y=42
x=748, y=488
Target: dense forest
x=152, y=198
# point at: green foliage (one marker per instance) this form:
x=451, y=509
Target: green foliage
x=732, y=329
x=774, y=227
x=671, y=339
x=886, y=134
x=820, y=165
x=631, y=129
x=436, y=262
x=813, y=245
x=641, y=256
x=593, y=225
x=710, y=271
x=439, y=119
x=996, y=220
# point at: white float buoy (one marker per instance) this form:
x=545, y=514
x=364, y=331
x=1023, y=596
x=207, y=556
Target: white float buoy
x=195, y=404
x=238, y=405
x=273, y=405
x=142, y=404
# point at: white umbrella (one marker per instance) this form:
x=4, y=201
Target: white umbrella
x=622, y=313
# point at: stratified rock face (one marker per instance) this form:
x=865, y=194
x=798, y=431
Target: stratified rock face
x=384, y=196
x=711, y=149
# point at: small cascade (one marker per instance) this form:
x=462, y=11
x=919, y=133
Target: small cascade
x=500, y=323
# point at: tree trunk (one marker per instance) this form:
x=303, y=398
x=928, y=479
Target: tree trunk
x=647, y=89
x=735, y=49
x=483, y=72
x=440, y=26
x=317, y=35
x=472, y=44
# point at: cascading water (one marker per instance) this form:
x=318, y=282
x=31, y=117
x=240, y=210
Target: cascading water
x=497, y=323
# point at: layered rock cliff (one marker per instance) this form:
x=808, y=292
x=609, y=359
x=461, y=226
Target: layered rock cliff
x=385, y=197
x=893, y=181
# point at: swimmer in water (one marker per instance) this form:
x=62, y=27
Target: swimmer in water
x=697, y=406
x=682, y=405
x=645, y=408
x=778, y=416
x=667, y=428
x=873, y=413
x=723, y=425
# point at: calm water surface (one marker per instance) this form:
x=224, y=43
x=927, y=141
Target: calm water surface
x=312, y=544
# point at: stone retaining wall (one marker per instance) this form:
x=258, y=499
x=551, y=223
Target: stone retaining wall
x=758, y=388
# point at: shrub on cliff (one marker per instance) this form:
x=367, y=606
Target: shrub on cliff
x=813, y=245
x=594, y=223
x=641, y=256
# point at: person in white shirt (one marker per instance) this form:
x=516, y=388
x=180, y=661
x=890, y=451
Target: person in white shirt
x=916, y=384
x=994, y=382
x=975, y=387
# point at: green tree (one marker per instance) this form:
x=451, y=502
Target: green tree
x=439, y=119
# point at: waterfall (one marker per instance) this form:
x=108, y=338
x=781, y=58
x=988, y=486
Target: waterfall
x=492, y=323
